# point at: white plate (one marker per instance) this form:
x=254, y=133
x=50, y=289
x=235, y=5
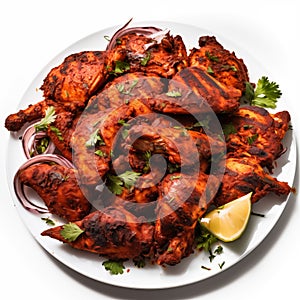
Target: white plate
x=190, y=269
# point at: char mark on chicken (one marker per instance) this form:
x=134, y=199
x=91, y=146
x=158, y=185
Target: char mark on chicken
x=211, y=94
x=183, y=200
x=222, y=64
x=244, y=175
x=253, y=131
x=112, y=232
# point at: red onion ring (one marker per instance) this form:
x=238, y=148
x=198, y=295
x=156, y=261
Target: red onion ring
x=147, y=31
x=29, y=138
x=19, y=187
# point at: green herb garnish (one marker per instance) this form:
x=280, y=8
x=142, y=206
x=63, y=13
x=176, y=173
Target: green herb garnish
x=48, y=119
x=114, y=267
x=71, y=231
x=211, y=57
x=252, y=139
x=174, y=94
x=94, y=139
x=57, y=132
x=205, y=239
x=49, y=221
x=122, y=90
x=100, y=153
x=117, y=183
x=210, y=70
x=145, y=59
x=265, y=94
x=121, y=67
x=229, y=129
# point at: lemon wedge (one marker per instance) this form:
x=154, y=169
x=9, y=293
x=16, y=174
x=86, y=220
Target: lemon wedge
x=228, y=222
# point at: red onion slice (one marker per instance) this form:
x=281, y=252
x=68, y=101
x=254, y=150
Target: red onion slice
x=19, y=187
x=147, y=31
x=29, y=140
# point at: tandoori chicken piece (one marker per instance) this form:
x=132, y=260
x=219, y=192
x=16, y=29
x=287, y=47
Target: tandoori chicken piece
x=94, y=136
x=58, y=187
x=220, y=63
x=208, y=93
x=137, y=52
x=244, y=175
x=112, y=232
x=66, y=87
x=16, y=121
x=183, y=200
x=181, y=147
x=253, y=131
x=77, y=77
x=125, y=87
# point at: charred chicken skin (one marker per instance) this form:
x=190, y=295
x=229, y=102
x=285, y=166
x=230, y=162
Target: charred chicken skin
x=221, y=64
x=252, y=131
x=77, y=78
x=112, y=232
x=108, y=107
x=244, y=175
x=178, y=211
x=145, y=54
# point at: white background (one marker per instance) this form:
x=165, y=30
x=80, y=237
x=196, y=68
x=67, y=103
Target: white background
x=33, y=32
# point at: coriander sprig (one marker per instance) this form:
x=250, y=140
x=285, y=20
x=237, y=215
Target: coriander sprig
x=48, y=119
x=265, y=94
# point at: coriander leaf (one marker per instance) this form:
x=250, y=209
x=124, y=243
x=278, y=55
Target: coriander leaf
x=141, y=263
x=221, y=265
x=121, y=67
x=100, y=153
x=114, y=267
x=94, y=138
x=265, y=94
x=205, y=239
x=121, y=87
x=49, y=221
x=117, y=183
x=48, y=119
x=114, y=184
x=71, y=231
x=129, y=178
x=218, y=250
x=211, y=57
x=57, y=132
x=249, y=92
x=210, y=70
x=174, y=94
x=228, y=129
x=145, y=59
x=252, y=139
